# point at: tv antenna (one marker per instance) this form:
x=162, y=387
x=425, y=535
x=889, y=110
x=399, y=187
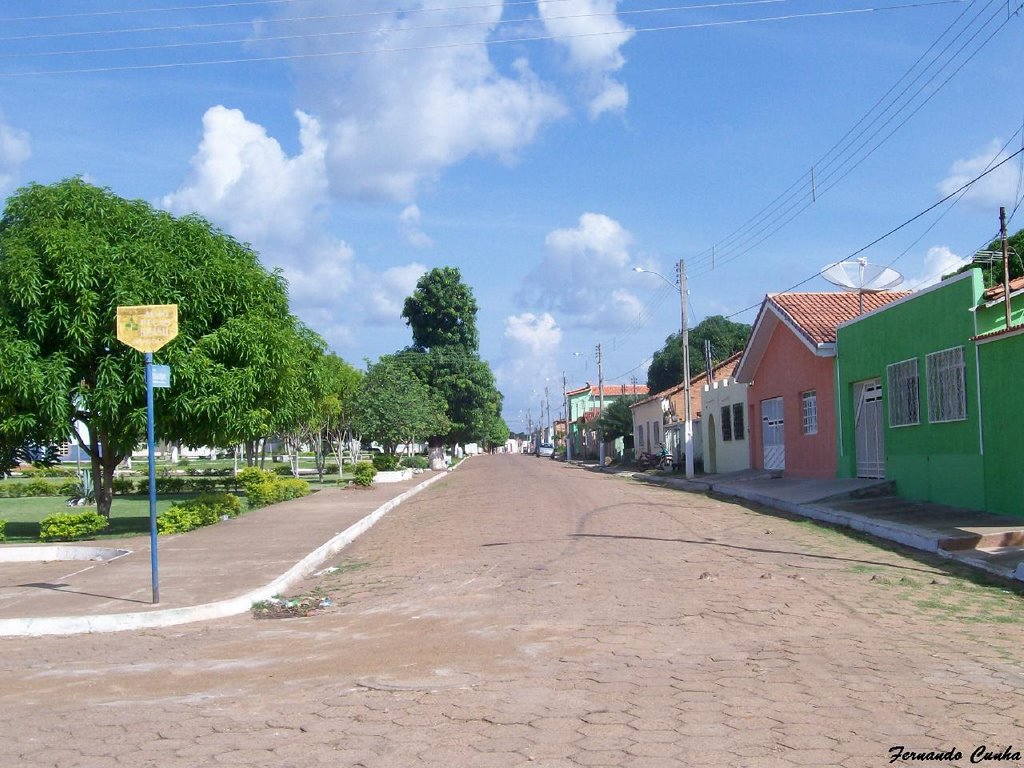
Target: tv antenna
x=861, y=277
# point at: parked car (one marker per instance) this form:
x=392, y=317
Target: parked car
x=546, y=449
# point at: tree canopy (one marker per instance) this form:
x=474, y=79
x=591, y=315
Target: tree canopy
x=393, y=406
x=726, y=338
x=442, y=312
x=445, y=356
x=70, y=254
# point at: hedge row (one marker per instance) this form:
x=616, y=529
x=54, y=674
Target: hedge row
x=70, y=526
x=205, y=509
x=263, y=488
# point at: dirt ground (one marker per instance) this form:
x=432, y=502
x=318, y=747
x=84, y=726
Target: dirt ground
x=524, y=612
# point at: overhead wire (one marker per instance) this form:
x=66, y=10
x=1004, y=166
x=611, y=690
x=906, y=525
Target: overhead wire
x=461, y=44
x=801, y=194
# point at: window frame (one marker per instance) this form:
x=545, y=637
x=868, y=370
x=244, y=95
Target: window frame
x=725, y=415
x=897, y=381
x=937, y=377
x=809, y=411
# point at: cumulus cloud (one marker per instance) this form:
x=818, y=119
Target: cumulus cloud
x=241, y=177
x=593, y=36
x=409, y=224
x=385, y=292
x=998, y=188
x=529, y=358
x=583, y=274
x=938, y=261
x=15, y=150
x=395, y=120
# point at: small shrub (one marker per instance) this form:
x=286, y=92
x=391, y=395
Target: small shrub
x=198, y=512
x=293, y=488
x=71, y=526
x=262, y=492
x=69, y=487
x=415, y=462
x=3, y=530
x=385, y=462
x=39, y=487
x=283, y=471
x=166, y=485
x=15, y=490
x=123, y=485
x=364, y=473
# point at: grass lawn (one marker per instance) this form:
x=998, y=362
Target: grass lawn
x=129, y=515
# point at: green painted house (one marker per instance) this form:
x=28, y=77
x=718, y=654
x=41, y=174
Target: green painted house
x=923, y=387
x=584, y=405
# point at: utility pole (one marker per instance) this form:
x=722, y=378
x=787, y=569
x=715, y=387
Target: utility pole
x=565, y=397
x=549, y=423
x=1006, y=263
x=688, y=425
x=600, y=397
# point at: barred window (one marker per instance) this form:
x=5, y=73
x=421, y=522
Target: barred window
x=903, y=393
x=726, y=424
x=809, y=404
x=738, y=430
x=947, y=392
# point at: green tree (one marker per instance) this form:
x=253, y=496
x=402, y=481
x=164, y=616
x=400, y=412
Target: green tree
x=394, y=406
x=333, y=422
x=726, y=338
x=993, y=273
x=445, y=356
x=442, y=312
x=617, y=421
x=70, y=254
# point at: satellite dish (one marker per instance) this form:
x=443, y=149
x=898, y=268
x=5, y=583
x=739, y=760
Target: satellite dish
x=861, y=277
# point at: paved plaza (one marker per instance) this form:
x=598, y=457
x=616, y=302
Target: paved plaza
x=522, y=612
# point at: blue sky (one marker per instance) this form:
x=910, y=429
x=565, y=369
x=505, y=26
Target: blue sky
x=544, y=148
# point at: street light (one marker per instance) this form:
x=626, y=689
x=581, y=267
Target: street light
x=688, y=423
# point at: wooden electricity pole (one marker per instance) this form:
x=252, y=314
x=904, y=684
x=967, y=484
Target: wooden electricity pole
x=600, y=398
x=1006, y=263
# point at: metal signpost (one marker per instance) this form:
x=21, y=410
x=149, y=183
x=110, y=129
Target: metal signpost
x=147, y=328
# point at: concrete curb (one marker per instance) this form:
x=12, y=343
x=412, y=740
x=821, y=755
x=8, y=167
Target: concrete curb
x=121, y=622
x=926, y=541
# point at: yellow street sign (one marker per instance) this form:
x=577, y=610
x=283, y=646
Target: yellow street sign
x=147, y=327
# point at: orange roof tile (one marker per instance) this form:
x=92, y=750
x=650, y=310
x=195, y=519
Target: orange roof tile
x=818, y=314
x=996, y=291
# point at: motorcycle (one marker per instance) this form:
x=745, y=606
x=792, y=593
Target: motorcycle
x=660, y=460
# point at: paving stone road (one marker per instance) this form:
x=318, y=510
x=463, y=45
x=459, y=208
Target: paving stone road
x=524, y=612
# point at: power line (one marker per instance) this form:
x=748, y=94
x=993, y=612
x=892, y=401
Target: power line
x=465, y=44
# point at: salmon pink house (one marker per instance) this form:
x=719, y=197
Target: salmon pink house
x=788, y=363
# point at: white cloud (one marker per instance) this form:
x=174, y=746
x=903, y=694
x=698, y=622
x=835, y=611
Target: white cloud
x=242, y=178
x=998, y=188
x=395, y=120
x=385, y=292
x=409, y=223
x=15, y=150
x=938, y=261
x=583, y=274
x=593, y=36
x=529, y=360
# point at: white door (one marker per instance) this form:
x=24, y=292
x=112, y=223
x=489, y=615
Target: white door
x=870, y=440
x=773, y=434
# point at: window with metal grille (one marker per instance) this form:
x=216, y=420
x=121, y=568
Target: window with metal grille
x=726, y=424
x=947, y=392
x=738, y=430
x=904, y=401
x=809, y=406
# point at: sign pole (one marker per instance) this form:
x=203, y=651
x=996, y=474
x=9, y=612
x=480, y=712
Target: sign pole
x=152, y=479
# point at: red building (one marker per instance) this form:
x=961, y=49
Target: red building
x=789, y=364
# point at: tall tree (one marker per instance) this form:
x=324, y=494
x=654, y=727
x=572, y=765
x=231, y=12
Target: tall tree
x=993, y=273
x=442, y=312
x=445, y=356
x=70, y=254
x=726, y=338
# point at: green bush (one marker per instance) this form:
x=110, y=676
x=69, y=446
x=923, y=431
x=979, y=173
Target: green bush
x=39, y=487
x=203, y=510
x=124, y=485
x=294, y=488
x=71, y=526
x=285, y=470
x=385, y=462
x=3, y=529
x=415, y=462
x=263, y=488
x=169, y=485
x=69, y=487
x=364, y=473
x=14, y=490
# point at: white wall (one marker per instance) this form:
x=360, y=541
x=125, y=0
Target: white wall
x=724, y=455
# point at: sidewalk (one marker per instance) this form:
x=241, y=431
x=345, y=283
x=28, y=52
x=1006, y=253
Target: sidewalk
x=217, y=571
x=991, y=543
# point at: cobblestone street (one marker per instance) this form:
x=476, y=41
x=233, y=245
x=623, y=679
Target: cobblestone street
x=525, y=612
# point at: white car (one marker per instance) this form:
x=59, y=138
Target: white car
x=546, y=449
